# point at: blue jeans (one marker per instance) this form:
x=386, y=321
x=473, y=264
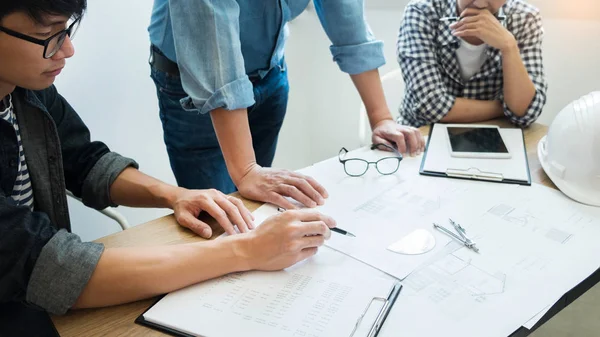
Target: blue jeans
x=194, y=152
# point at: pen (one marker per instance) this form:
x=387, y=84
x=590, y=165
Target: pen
x=334, y=229
x=501, y=18
x=343, y=232
x=449, y=19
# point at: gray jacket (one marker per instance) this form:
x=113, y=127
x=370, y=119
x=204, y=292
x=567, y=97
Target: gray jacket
x=41, y=262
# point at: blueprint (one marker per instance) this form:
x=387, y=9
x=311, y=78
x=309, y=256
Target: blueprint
x=380, y=210
x=535, y=244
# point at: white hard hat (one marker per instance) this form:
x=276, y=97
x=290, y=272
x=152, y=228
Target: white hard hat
x=570, y=152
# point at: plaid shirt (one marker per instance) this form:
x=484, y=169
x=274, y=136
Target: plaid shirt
x=427, y=56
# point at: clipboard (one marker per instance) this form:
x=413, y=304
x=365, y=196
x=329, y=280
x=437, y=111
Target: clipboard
x=379, y=321
x=170, y=331
x=447, y=167
x=373, y=330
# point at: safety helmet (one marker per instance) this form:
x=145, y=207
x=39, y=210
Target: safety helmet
x=570, y=152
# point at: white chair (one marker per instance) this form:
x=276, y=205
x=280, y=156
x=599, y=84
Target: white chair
x=109, y=212
x=393, y=89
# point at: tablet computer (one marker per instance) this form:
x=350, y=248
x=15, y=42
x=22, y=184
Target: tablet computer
x=476, y=141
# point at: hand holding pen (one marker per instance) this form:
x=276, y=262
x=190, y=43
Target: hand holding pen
x=482, y=25
x=283, y=240
x=472, y=9
x=334, y=229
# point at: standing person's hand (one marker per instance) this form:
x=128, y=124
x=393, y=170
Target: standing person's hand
x=483, y=25
x=227, y=210
x=273, y=185
x=406, y=139
x=285, y=239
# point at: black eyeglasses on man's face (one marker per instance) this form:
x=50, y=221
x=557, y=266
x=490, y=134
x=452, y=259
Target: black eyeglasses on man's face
x=356, y=167
x=52, y=44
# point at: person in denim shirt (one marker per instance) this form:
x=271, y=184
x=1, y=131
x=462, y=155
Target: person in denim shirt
x=45, y=266
x=222, y=87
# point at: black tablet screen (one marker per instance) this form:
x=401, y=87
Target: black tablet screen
x=478, y=140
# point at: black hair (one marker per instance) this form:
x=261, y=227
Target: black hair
x=38, y=9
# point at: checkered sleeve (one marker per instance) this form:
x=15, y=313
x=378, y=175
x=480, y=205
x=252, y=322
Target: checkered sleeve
x=529, y=37
x=425, y=89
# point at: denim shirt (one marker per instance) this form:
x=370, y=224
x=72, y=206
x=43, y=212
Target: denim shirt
x=42, y=264
x=217, y=43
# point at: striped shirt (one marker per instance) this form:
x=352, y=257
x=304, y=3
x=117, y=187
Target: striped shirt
x=22, y=193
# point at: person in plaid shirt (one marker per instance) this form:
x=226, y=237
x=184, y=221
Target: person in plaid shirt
x=470, y=61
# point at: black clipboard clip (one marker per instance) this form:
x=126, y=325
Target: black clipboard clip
x=388, y=303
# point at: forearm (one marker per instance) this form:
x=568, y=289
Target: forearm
x=136, y=189
x=370, y=89
x=519, y=90
x=233, y=132
x=471, y=111
x=129, y=274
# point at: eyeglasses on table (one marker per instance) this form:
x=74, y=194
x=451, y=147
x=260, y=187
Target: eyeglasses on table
x=356, y=167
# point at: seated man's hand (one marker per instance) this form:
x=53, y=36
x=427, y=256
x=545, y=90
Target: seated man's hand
x=285, y=239
x=406, y=139
x=273, y=185
x=480, y=25
x=227, y=210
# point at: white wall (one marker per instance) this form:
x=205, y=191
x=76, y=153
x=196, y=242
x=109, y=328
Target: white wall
x=571, y=52
x=108, y=83
x=572, y=60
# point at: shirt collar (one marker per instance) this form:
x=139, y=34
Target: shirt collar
x=6, y=104
x=30, y=98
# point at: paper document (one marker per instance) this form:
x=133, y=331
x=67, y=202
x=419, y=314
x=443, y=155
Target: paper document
x=535, y=245
x=381, y=210
x=535, y=319
x=323, y=296
x=316, y=298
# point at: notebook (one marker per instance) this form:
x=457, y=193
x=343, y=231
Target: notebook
x=327, y=295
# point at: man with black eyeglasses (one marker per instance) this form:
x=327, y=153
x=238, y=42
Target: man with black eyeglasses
x=45, y=149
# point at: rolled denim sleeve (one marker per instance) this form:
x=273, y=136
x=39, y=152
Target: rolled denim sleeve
x=354, y=48
x=209, y=54
x=529, y=37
